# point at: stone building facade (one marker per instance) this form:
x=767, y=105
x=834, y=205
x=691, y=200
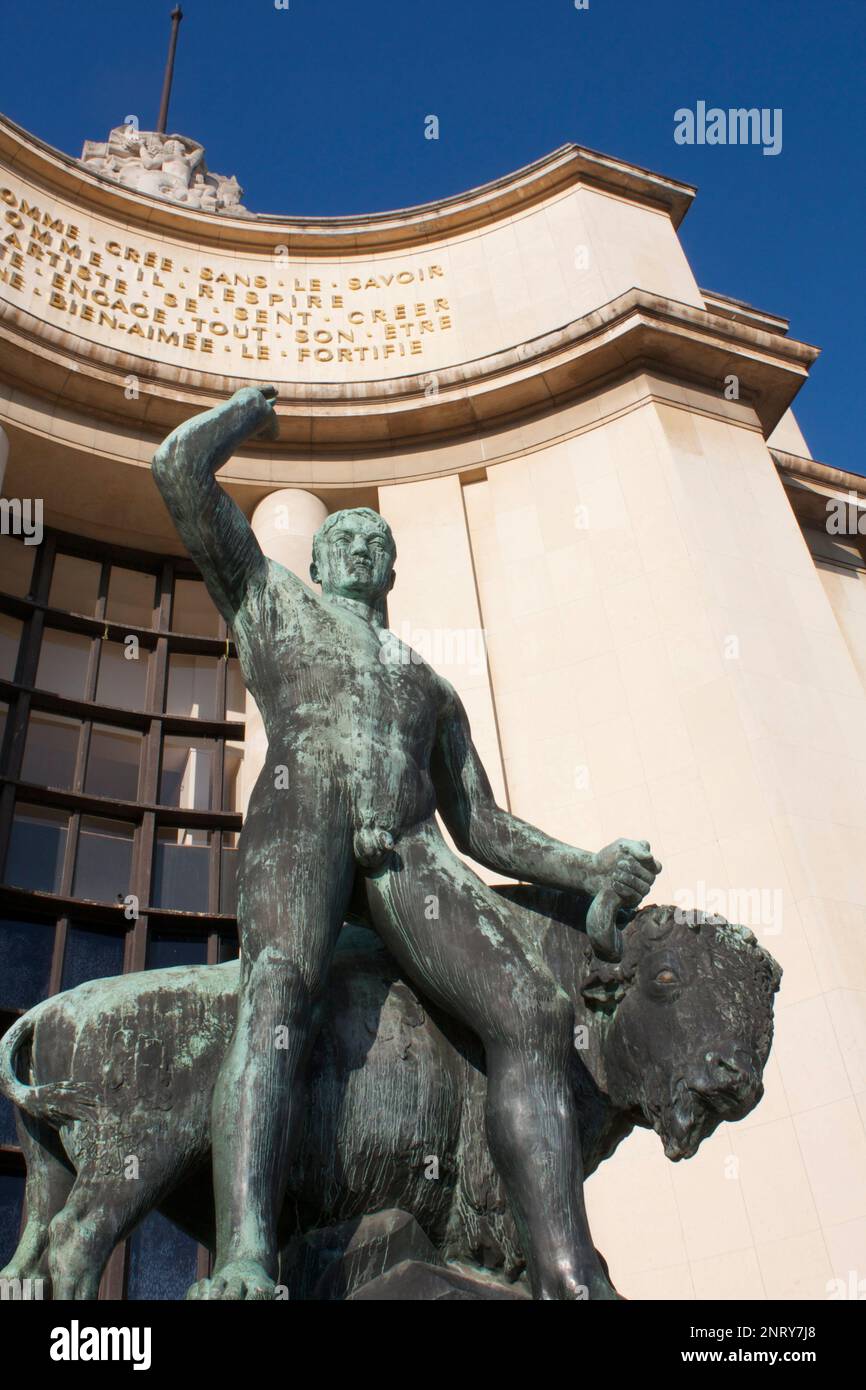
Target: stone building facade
x=612, y=539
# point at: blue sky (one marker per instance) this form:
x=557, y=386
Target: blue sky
x=320, y=108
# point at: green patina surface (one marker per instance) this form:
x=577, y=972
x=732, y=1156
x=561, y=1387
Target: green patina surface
x=366, y=744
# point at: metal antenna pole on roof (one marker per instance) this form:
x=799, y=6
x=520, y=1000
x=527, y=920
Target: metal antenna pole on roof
x=176, y=17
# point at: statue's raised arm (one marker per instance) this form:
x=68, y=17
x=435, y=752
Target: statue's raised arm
x=211, y=525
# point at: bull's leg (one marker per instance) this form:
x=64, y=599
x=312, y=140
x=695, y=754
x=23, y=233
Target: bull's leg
x=473, y=958
x=49, y=1180
x=97, y=1216
x=295, y=882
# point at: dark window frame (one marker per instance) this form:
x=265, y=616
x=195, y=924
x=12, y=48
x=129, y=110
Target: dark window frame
x=146, y=813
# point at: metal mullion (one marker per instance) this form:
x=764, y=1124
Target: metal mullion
x=61, y=933
x=70, y=854
x=217, y=783
x=102, y=592
x=162, y=612
x=135, y=946
x=85, y=729
x=91, y=679
x=203, y=1264
x=213, y=877
x=82, y=753
x=218, y=790
x=113, y=1282
x=216, y=834
x=148, y=775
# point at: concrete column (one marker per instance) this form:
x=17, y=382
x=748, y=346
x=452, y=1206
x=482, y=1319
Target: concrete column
x=284, y=524
x=4, y=455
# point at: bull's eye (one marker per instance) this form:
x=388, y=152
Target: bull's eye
x=666, y=977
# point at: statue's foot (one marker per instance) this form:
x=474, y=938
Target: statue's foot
x=239, y=1280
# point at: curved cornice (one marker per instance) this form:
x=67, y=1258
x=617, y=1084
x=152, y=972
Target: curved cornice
x=568, y=166
x=636, y=330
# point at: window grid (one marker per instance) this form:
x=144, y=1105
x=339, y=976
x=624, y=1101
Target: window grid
x=146, y=814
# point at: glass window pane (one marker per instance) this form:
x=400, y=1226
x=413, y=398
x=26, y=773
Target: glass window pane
x=166, y=948
x=91, y=954
x=25, y=962
x=228, y=873
x=180, y=870
x=63, y=659
x=131, y=597
x=104, y=860
x=112, y=763
x=192, y=610
x=122, y=680
x=162, y=1260
x=236, y=694
x=75, y=585
x=16, y=566
x=8, y=1132
x=11, y=1201
x=187, y=770
x=10, y=636
x=50, y=750
x=36, y=845
x=192, y=684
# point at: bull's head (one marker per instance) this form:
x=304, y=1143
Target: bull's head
x=685, y=1023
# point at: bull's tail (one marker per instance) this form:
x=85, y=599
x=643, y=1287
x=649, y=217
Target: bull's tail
x=57, y=1103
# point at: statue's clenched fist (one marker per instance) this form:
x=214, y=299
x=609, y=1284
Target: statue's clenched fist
x=626, y=868
x=256, y=406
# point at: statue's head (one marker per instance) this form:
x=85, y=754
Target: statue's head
x=354, y=554
x=173, y=149
x=689, y=1023
x=679, y=1029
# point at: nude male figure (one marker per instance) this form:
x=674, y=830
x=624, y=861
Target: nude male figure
x=374, y=746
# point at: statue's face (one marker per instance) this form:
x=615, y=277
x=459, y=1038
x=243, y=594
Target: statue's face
x=355, y=559
x=173, y=149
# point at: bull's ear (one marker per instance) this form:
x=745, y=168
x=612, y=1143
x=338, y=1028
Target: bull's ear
x=604, y=988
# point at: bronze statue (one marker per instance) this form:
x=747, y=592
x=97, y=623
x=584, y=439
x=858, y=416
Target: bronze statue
x=364, y=748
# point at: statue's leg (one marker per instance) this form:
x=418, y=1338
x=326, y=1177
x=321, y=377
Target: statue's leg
x=470, y=957
x=294, y=883
x=49, y=1181
x=534, y=1138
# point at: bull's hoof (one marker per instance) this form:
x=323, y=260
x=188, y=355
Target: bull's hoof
x=239, y=1281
